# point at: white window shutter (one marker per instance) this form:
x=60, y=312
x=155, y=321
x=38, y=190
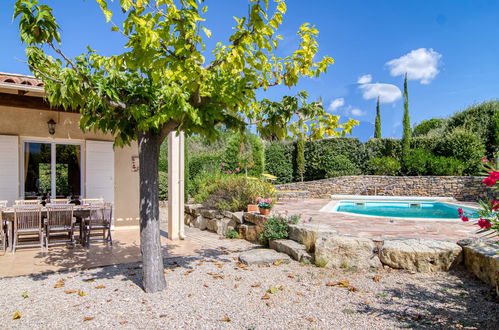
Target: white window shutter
x=9, y=168
x=99, y=170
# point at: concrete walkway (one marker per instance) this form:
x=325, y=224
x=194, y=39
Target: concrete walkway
x=377, y=227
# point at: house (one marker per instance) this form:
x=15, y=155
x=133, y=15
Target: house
x=44, y=153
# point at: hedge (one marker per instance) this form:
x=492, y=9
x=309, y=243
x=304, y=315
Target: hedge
x=279, y=161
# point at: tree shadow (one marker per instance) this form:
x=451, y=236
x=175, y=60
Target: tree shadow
x=439, y=303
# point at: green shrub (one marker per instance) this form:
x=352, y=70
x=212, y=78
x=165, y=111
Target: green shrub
x=277, y=227
x=463, y=145
x=439, y=165
x=340, y=165
x=163, y=186
x=279, y=161
x=204, y=162
x=245, y=150
x=386, y=147
x=384, y=166
x=425, y=126
x=231, y=192
x=424, y=142
x=416, y=162
x=232, y=234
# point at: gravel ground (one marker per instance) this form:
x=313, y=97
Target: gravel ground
x=215, y=292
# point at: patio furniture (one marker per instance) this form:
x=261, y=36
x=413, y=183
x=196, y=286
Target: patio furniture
x=100, y=219
x=28, y=202
x=3, y=203
x=27, y=222
x=59, y=201
x=91, y=201
x=59, y=220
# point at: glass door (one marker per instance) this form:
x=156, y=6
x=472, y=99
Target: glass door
x=52, y=170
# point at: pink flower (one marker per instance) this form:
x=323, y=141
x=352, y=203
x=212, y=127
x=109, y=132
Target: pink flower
x=465, y=219
x=460, y=211
x=491, y=179
x=222, y=164
x=485, y=160
x=238, y=170
x=229, y=172
x=484, y=224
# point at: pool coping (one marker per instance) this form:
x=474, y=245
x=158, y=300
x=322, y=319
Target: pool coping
x=331, y=206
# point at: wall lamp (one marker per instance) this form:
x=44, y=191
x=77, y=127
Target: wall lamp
x=51, y=123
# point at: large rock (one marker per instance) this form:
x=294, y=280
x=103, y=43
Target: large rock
x=307, y=233
x=255, y=218
x=188, y=219
x=237, y=217
x=262, y=257
x=199, y=222
x=293, y=249
x=249, y=232
x=420, y=255
x=345, y=251
x=482, y=259
x=208, y=213
x=191, y=208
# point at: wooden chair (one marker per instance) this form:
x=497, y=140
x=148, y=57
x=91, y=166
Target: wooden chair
x=27, y=222
x=91, y=201
x=59, y=201
x=28, y=202
x=100, y=219
x=59, y=220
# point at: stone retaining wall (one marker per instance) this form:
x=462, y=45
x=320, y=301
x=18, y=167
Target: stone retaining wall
x=463, y=188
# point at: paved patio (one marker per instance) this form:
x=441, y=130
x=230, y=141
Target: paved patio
x=374, y=227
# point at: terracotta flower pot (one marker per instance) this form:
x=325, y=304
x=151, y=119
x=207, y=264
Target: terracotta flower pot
x=252, y=208
x=264, y=211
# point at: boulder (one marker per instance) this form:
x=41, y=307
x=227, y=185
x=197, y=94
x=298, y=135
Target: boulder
x=237, y=217
x=211, y=225
x=482, y=259
x=420, y=255
x=255, y=218
x=191, y=208
x=307, y=233
x=249, y=232
x=334, y=251
x=293, y=249
x=262, y=257
x=199, y=222
x=208, y=213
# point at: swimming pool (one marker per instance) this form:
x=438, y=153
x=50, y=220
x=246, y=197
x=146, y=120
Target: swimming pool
x=399, y=209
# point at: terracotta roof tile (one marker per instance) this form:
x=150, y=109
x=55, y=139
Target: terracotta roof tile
x=19, y=79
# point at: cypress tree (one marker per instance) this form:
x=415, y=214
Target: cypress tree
x=300, y=157
x=406, y=137
x=377, y=123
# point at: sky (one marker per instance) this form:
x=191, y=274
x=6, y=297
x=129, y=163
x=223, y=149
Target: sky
x=448, y=48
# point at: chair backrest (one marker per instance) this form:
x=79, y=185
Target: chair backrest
x=91, y=201
x=59, y=214
x=27, y=217
x=59, y=201
x=3, y=204
x=28, y=202
x=107, y=212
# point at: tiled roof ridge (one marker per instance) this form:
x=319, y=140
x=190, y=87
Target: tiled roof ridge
x=19, y=79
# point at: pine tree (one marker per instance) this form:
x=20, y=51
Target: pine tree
x=377, y=123
x=406, y=137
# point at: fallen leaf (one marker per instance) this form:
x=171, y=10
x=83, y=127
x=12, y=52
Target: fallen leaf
x=100, y=287
x=278, y=262
x=205, y=285
x=162, y=316
x=317, y=284
x=188, y=272
x=352, y=289
x=219, y=277
x=25, y=294
x=59, y=284
x=132, y=274
x=330, y=283
x=376, y=278
x=238, y=278
x=212, y=273
x=16, y=316
x=123, y=322
x=190, y=295
x=266, y=297
x=81, y=293
x=225, y=319
x=256, y=285
x=395, y=298
x=280, y=287
x=291, y=275
x=165, y=271
x=268, y=304
x=272, y=290
x=88, y=318
x=70, y=291
x=199, y=264
x=109, y=300
x=90, y=280
x=301, y=294
x=309, y=319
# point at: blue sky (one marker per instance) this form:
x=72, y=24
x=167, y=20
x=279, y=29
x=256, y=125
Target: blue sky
x=448, y=47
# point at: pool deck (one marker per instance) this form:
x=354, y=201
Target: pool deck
x=378, y=227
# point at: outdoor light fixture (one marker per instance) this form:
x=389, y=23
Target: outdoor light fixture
x=51, y=123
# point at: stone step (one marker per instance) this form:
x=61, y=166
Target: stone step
x=262, y=257
x=307, y=233
x=293, y=249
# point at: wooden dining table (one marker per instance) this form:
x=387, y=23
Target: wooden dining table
x=80, y=212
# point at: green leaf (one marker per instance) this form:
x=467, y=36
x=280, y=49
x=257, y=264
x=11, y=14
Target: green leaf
x=206, y=31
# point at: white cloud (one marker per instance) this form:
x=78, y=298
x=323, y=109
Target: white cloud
x=420, y=64
x=387, y=93
x=336, y=103
x=365, y=79
x=351, y=111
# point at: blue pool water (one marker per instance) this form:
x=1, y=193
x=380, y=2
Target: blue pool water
x=404, y=209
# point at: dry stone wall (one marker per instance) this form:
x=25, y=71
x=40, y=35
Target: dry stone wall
x=463, y=188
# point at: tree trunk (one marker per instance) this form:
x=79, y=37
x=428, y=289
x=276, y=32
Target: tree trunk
x=153, y=279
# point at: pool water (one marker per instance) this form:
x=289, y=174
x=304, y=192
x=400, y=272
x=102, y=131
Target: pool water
x=404, y=209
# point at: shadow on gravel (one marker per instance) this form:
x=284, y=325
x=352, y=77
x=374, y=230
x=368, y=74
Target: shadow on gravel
x=464, y=303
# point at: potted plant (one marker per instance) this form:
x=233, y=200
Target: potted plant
x=264, y=205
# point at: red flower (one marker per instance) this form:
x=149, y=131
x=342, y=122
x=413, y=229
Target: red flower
x=491, y=179
x=485, y=160
x=484, y=224
x=460, y=211
x=465, y=219
x=495, y=205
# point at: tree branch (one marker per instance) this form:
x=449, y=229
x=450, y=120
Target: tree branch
x=168, y=128
x=106, y=98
